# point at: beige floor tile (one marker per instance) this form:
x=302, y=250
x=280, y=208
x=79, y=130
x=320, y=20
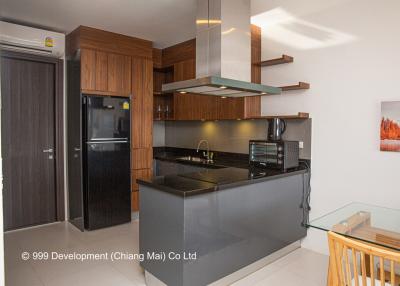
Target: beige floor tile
x=257, y=276
x=12, y=251
x=311, y=265
x=131, y=270
x=103, y=275
x=301, y=267
x=49, y=237
x=49, y=270
x=21, y=275
x=285, y=278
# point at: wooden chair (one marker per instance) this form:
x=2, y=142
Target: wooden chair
x=351, y=263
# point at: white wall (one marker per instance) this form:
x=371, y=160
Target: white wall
x=1, y=207
x=349, y=52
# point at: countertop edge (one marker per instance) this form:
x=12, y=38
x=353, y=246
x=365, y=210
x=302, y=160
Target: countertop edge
x=176, y=192
x=260, y=180
x=218, y=187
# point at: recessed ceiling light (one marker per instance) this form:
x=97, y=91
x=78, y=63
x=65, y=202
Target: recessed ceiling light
x=222, y=87
x=223, y=96
x=182, y=92
x=263, y=93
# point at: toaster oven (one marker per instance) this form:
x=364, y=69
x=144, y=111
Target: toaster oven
x=274, y=154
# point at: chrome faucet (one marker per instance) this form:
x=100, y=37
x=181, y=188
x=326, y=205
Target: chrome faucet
x=209, y=155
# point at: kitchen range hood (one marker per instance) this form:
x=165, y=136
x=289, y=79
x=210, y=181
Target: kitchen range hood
x=223, y=52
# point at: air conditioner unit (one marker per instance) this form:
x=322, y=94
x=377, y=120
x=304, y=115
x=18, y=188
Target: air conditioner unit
x=31, y=40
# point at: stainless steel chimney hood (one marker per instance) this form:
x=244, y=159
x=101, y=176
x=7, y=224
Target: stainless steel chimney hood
x=223, y=52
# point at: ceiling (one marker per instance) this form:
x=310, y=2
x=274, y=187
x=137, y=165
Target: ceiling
x=165, y=22
x=168, y=22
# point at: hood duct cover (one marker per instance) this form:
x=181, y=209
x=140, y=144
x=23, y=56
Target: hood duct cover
x=223, y=52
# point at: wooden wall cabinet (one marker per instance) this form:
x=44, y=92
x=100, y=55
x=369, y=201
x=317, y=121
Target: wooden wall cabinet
x=119, y=74
x=185, y=70
x=230, y=108
x=192, y=106
x=118, y=65
x=179, y=61
x=141, y=124
x=105, y=73
x=163, y=103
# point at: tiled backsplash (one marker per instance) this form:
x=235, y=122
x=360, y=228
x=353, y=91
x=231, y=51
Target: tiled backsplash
x=233, y=136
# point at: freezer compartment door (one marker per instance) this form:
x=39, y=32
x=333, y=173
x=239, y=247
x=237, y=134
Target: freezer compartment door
x=107, y=118
x=108, y=190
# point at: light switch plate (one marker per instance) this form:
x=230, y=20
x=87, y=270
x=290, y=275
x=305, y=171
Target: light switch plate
x=301, y=144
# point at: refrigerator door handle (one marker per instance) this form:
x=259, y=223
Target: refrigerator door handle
x=108, y=139
x=108, y=142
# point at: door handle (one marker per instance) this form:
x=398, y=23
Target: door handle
x=48, y=150
x=77, y=149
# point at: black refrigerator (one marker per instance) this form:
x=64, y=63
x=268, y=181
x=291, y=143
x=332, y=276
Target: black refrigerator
x=106, y=161
x=98, y=155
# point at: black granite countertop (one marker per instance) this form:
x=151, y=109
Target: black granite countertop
x=220, y=160
x=228, y=170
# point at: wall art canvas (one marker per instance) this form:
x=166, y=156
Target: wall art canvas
x=390, y=126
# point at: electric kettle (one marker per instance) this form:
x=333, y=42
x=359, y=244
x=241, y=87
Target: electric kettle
x=276, y=128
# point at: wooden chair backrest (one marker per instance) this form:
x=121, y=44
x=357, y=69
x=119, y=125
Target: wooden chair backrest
x=349, y=255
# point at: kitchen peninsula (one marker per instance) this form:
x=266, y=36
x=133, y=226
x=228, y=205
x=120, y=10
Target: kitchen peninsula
x=218, y=218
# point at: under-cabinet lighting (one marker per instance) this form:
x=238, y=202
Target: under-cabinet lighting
x=208, y=21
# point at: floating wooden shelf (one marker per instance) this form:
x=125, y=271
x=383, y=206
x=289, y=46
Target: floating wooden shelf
x=161, y=93
x=300, y=115
x=163, y=119
x=163, y=69
x=301, y=85
x=282, y=60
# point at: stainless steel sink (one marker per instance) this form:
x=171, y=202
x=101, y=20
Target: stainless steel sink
x=192, y=159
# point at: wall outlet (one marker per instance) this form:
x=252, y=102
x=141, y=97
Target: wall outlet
x=301, y=144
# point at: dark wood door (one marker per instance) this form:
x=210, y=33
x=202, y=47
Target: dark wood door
x=28, y=142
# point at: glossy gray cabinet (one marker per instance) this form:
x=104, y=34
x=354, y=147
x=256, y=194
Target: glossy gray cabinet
x=223, y=231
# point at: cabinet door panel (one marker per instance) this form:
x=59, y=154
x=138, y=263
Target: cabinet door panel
x=88, y=69
x=185, y=70
x=252, y=106
x=192, y=106
x=142, y=103
x=230, y=108
x=195, y=107
x=101, y=71
x=135, y=201
x=142, y=158
x=139, y=174
x=119, y=74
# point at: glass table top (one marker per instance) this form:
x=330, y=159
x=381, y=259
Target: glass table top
x=373, y=224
